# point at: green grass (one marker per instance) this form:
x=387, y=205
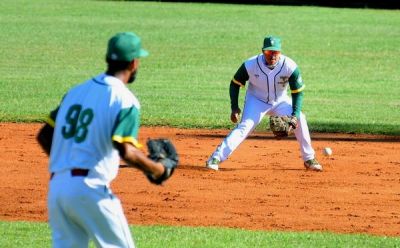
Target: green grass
x=348, y=57
x=30, y=234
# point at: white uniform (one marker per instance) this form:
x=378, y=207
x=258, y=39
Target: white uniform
x=81, y=207
x=266, y=95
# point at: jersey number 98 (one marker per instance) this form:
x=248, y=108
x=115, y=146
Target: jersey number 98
x=77, y=122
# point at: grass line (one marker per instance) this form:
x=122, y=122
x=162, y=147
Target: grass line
x=31, y=234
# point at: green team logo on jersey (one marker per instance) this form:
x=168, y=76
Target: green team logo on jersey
x=77, y=122
x=283, y=80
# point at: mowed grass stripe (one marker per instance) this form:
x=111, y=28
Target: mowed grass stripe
x=348, y=58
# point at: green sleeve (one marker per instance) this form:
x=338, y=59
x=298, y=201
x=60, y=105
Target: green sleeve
x=126, y=127
x=296, y=86
x=297, y=103
x=239, y=80
x=241, y=76
x=234, y=95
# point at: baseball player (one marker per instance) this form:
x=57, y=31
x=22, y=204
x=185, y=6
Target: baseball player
x=94, y=126
x=269, y=75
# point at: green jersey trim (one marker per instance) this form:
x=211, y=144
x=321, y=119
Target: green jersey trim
x=295, y=81
x=296, y=87
x=237, y=82
x=298, y=90
x=241, y=75
x=127, y=126
x=51, y=119
x=131, y=140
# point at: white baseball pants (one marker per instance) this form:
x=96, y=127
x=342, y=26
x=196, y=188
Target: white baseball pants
x=253, y=112
x=79, y=212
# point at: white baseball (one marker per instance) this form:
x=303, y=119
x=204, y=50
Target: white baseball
x=327, y=151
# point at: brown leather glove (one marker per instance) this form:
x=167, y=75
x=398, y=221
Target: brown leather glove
x=282, y=126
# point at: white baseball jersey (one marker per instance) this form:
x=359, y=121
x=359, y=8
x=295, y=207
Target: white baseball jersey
x=91, y=116
x=270, y=86
x=267, y=95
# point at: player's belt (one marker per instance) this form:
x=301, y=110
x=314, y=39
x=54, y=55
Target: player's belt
x=75, y=173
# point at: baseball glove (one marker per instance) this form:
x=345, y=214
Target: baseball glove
x=282, y=126
x=163, y=151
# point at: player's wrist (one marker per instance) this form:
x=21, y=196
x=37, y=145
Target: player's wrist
x=234, y=107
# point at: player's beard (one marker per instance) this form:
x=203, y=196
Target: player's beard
x=272, y=66
x=272, y=63
x=132, y=78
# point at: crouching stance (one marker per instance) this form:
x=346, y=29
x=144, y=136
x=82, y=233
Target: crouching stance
x=269, y=75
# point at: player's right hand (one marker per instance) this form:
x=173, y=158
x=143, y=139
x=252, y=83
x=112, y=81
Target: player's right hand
x=235, y=114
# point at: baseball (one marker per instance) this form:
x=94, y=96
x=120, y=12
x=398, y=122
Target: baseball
x=327, y=151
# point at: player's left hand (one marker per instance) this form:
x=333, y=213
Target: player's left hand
x=292, y=123
x=163, y=151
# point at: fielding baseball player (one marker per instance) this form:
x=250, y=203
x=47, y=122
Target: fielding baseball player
x=95, y=125
x=269, y=75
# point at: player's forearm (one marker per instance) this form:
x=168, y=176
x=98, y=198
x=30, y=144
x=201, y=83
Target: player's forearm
x=136, y=158
x=234, y=95
x=142, y=162
x=297, y=103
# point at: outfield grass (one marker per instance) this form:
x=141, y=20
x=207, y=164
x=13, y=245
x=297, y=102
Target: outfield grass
x=37, y=235
x=349, y=58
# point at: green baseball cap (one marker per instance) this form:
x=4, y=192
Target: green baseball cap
x=125, y=46
x=272, y=43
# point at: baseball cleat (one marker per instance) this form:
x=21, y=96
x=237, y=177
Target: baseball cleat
x=213, y=164
x=313, y=164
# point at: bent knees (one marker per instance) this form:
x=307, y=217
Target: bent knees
x=245, y=127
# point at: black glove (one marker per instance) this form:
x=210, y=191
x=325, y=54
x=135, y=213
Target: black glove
x=282, y=126
x=163, y=151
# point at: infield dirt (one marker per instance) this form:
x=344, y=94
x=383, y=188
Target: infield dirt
x=263, y=186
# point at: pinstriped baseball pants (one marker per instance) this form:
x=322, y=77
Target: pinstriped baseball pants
x=253, y=112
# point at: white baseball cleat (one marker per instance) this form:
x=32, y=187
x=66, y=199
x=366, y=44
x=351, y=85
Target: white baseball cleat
x=313, y=164
x=213, y=163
